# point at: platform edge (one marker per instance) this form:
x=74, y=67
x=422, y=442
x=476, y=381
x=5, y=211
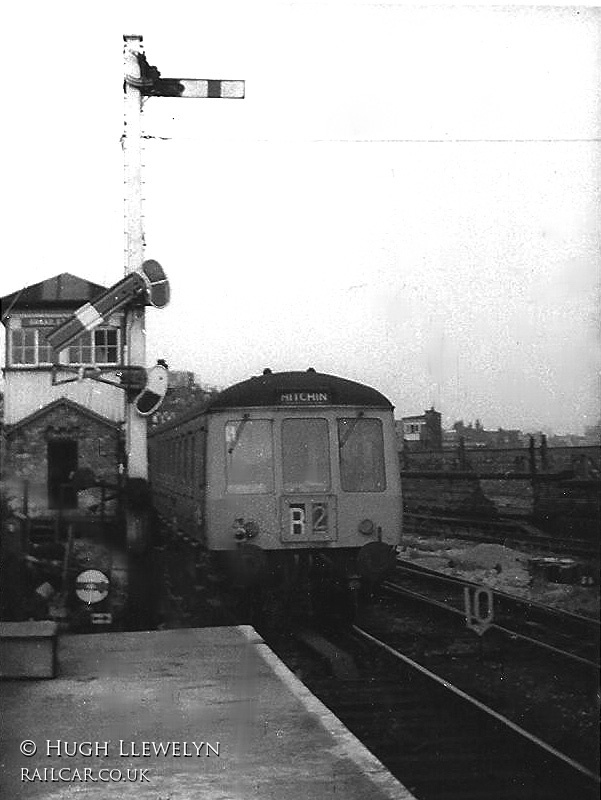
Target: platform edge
x=349, y=746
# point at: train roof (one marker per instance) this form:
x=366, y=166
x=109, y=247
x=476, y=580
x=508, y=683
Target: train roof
x=308, y=388
x=285, y=389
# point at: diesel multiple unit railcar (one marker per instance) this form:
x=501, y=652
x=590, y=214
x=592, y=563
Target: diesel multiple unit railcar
x=285, y=477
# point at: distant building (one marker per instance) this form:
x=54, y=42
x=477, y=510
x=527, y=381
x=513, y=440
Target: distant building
x=450, y=439
x=420, y=432
x=506, y=438
x=181, y=379
x=52, y=428
x=591, y=438
x=592, y=434
x=476, y=436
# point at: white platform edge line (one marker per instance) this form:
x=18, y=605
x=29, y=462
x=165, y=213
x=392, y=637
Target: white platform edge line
x=349, y=746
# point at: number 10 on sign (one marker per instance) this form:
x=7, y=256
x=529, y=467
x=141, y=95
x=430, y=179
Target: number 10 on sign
x=479, y=613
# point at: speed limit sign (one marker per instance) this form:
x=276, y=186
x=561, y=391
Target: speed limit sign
x=479, y=613
x=91, y=586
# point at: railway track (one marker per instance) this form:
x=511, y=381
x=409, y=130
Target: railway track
x=439, y=741
x=570, y=636
x=548, y=693
x=506, y=531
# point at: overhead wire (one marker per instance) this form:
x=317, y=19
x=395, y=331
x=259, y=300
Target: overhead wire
x=390, y=141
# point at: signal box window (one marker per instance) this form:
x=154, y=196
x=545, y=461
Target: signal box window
x=361, y=448
x=30, y=347
x=249, y=456
x=106, y=346
x=305, y=455
x=96, y=347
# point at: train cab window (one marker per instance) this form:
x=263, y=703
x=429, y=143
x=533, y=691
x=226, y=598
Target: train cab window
x=361, y=448
x=249, y=456
x=305, y=455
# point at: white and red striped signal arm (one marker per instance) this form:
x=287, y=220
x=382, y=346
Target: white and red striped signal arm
x=194, y=87
x=151, y=84
x=90, y=316
x=148, y=284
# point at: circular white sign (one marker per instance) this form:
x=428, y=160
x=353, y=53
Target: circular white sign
x=91, y=586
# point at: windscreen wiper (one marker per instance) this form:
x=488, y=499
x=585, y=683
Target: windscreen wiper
x=349, y=430
x=238, y=433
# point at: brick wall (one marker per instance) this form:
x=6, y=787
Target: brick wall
x=27, y=452
x=509, y=496
x=583, y=461
x=570, y=508
x=442, y=494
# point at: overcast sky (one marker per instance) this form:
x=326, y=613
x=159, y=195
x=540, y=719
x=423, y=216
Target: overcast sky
x=407, y=196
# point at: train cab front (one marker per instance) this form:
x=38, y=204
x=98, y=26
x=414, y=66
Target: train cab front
x=306, y=481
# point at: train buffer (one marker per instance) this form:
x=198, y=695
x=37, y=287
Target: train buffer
x=186, y=713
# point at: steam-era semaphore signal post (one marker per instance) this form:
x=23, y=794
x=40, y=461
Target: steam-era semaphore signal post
x=144, y=284
x=142, y=79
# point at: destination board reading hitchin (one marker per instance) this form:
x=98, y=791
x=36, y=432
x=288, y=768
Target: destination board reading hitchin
x=304, y=398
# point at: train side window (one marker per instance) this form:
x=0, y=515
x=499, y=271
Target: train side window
x=186, y=459
x=305, y=455
x=200, y=458
x=193, y=458
x=361, y=449
x=249, y=456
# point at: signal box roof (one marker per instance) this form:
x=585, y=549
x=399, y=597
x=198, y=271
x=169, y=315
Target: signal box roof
x=62, y=291
x=294, y=389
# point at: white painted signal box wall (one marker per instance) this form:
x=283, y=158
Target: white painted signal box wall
x=28, y=359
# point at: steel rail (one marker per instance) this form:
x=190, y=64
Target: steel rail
x=480, y=706
x=392, y=587
x=418, y=569
x=508, y=529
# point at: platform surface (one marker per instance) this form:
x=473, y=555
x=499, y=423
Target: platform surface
x=180, y=714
